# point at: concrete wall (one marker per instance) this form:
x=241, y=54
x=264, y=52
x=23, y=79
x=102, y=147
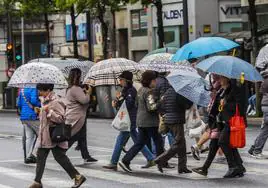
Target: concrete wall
x=206, y=14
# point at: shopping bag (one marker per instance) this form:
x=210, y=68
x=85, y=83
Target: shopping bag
x=122, y=121
x=237, y=130
x=193, y=119
x=198, y=131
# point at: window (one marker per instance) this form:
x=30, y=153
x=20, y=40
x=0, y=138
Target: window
x=229, y=27
x=139, y=23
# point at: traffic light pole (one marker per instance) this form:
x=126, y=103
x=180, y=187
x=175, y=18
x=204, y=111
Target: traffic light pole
x=22, y=41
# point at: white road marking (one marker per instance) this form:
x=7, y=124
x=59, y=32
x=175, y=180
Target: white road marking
x=5, y=186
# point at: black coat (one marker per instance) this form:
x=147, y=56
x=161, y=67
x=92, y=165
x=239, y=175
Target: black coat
x=234, y=95
x=174, y=107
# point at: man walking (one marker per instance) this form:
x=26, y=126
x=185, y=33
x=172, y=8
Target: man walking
x=174, y=107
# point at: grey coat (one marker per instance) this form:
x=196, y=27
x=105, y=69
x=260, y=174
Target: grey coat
x=147, y=115
x=77, y=103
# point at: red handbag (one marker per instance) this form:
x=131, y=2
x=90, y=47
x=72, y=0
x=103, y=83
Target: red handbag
x=237, y=130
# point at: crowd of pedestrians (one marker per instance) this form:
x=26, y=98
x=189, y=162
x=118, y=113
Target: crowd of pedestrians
x=155, y=105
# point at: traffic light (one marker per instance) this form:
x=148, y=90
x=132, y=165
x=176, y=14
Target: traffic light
x=9, y=53
x=18, y=54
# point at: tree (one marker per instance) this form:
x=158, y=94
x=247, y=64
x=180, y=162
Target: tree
x=254, y=38
x=69, y=6
x=34, y=8
x=159, y=13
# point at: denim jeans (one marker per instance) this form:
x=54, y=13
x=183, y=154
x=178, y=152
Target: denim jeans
x=120, y=141
x=263, y=135
x=171, y=140
x=145, y=135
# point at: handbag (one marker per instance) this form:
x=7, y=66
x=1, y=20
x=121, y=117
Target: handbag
x=193, y=119
x=122, y=121
x=198, y=131
x=237, y=130
x=60, y=133
x=162, y=129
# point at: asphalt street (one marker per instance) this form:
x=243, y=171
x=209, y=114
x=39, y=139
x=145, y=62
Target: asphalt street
x=101, y=138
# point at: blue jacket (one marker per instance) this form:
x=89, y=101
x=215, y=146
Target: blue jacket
x=27, y=113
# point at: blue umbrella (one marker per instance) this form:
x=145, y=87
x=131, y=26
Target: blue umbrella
x=188, y=83
x=202, y=47
x=230, y=67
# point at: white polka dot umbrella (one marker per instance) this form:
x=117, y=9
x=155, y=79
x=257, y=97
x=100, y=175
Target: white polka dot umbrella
x=31, y=74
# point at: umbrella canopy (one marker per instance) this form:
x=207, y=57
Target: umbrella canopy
x=230, y=67
x=157, y=62
x=31, y=74
x=188, y=83
x=262, y=59
x=106, y=72
x=65, y=65
x=170, y=50
x=202, y=47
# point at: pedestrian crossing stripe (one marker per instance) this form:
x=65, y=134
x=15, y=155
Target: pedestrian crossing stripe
x=5, y=186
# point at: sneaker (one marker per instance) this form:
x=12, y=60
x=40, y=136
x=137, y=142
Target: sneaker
x=184, y=171
x=200, y=171
x=30, y=160
x=90, y=160
x=251, y=150
x=36, y=185
x=111, y=167
x=125, y=166
x=149, y=164
x=258, y=155
x=78, y=181
x=195, y=152
x=204, y=150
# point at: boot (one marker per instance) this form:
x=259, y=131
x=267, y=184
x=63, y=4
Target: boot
x=78, y=181
x=36, y=185
x=234, y=172
x=149, y=164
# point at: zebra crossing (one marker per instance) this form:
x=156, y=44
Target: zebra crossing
x=56, y=177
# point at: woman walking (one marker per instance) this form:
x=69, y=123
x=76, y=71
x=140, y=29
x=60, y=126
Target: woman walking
x=52, y=113
x=77, y=102
x=147, y=121
x=128, y=95
x=231, y=95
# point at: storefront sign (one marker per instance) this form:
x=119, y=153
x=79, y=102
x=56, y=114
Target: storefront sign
x=172, y=14
x=230, y=11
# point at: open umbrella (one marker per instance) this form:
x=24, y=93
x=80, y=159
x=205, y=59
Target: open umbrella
x=106, y=72
x=31, y=74
x=230, y=67
x=170, y=50
x=203, y=46
x=157, y=62
x=188, y=83
x=262, y=59
x=65, y=65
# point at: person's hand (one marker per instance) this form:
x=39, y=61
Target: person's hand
x=118, y=94
x=37, y=110
x=46, y=108
x=88, y=90
x=114, y=103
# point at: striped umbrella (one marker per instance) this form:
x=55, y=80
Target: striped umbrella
x=157, y=62
x=107, y=71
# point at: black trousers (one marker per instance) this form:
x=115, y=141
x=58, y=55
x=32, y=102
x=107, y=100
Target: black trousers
x=144, y=135
x=178, y=147
x=81, y=138
x=232, y=155
x=213, y=148
x=60, y=156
